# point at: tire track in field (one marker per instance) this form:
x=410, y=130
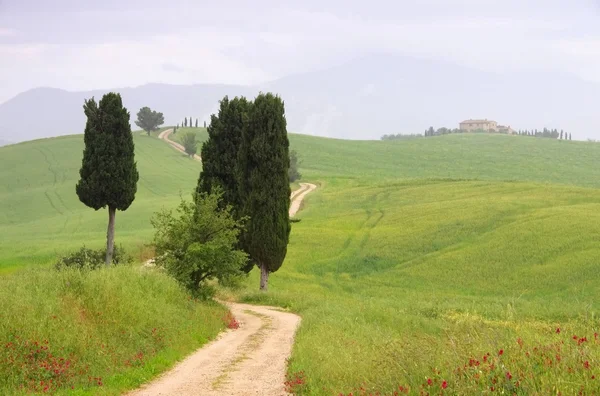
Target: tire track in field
x=51, y=169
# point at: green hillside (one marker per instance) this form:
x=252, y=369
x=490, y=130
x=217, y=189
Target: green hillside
x=401, y=264
x=463, y=156
x=41, y=214
x=413, y=255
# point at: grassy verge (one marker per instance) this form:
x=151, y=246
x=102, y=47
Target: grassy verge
x=98, y=332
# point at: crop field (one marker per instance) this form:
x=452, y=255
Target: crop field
x=409, y=280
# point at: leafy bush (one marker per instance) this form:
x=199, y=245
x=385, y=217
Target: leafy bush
x=86, y=258
x=199, y=243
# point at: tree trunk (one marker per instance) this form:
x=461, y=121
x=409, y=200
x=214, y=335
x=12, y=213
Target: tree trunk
x=264, y=277
x=110, y=235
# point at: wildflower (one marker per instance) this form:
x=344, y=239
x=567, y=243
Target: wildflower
x=429, y=381
x=501, y=352
x=444, y=385
x=558, y=330
x=508, y=375
x=586, y=364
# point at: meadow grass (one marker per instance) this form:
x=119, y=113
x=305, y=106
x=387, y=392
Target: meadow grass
x=96, y=332
x=42, y=217
x=412, y=261
x=417, y=258
x=400, y=282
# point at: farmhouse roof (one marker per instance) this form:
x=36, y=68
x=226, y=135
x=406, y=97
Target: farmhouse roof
x=475, y=121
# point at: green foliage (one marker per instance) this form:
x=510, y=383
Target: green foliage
x=293, y=173
x=86, y=258
x=100, y=332
x=108, y=171
x=189, y=143
x=149, y=120
x=220, y=151
x=198, y=244
x=263, y=164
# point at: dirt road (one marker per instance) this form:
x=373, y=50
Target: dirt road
x=250, y=360
x=164, y=135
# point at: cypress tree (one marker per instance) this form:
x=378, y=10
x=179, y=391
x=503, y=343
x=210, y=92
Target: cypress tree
x=185, y=122
x=108, y=170
x=569, y=136
x=264, y=184
x=205, y=124
x=220, y=152
x=196, y=123
x=220, y=156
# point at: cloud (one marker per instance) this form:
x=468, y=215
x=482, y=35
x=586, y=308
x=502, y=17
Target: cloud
x=170, y=67
x=5, y=32
x=246, y=43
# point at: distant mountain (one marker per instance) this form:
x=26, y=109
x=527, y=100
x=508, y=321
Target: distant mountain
x=362, y=99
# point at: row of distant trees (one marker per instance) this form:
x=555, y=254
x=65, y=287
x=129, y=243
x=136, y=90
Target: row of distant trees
x=189, y=123
x=544, y=133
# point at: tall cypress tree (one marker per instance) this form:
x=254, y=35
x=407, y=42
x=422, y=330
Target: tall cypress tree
x=264, y=184
x=220, y=152
x=220, y=155
x=108, y=170
x=196, y=123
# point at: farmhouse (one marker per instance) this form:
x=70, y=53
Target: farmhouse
x=484, y=125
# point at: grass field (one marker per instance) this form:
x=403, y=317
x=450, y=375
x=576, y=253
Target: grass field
x=98, y=332
x=41, y=215
x=412, y=261
x=405, y=271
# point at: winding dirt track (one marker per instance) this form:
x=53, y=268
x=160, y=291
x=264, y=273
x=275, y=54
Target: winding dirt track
x=250, y=360
x=164, y=135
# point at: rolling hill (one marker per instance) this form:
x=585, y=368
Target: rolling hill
x=362, y=99
x=412, y=254
x=40, y=207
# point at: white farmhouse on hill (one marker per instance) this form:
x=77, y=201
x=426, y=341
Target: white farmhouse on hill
x=484, y=125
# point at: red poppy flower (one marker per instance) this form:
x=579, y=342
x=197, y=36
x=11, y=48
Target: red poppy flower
x=444, y=385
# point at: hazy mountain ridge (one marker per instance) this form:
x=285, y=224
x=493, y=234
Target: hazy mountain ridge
x=362, y=99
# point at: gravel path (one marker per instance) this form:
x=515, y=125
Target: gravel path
x=250, y=360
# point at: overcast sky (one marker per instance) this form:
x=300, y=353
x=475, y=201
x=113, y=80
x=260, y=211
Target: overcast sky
x=81, y=44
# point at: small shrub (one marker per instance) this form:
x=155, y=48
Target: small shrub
x=86, y=258
x=197, y=244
